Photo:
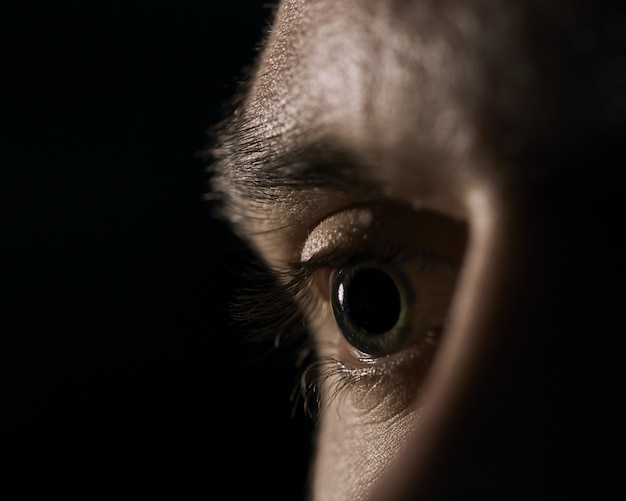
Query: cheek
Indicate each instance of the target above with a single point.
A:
(363, 421)
(373, 396)
(354, 449)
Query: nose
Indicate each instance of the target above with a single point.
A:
(490, 395)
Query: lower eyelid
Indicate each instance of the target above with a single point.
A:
(343, 372)
(380, 389)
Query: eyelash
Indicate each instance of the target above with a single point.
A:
(275, 307)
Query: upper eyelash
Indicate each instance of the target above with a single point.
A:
(274, 305)
(269, 309)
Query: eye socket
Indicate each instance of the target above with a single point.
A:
(371, 303)
(389, 291)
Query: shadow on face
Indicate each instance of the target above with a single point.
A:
(437, 185)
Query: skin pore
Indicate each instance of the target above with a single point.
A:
(428, 140)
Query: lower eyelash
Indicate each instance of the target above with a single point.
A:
(369, 385)
(341, 377)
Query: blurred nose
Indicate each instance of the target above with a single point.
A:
(489, 393)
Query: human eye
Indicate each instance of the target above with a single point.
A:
(374, 283)
(383, 305)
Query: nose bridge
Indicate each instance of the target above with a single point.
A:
(481, 427)
(499, 294)
(495, 330)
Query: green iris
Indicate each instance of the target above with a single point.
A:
(368, 302)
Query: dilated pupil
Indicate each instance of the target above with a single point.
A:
(372, 301)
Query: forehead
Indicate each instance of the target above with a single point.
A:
(407, 85)
(428, 100)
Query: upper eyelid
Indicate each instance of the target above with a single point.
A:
(373, 251)
(384, 229)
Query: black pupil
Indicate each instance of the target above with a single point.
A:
(372, 301)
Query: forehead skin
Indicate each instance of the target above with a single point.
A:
(452, 90)
(348, 73)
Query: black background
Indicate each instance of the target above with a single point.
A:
(122, 374)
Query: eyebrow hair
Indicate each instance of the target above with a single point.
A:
(250, 169)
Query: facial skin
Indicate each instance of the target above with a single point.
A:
(390, 133)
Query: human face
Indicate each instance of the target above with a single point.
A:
(417, 148)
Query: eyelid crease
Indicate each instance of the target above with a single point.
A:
(366, 224)
(382, 252)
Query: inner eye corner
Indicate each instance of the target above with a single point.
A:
(322, 280)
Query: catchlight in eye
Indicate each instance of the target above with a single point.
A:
(369, 302)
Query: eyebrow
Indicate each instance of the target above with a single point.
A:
(248, 167)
